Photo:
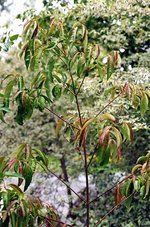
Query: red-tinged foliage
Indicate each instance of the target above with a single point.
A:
(118, 195)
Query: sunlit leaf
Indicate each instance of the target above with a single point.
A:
(144, 104)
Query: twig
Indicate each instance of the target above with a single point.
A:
(112, 209)
(76, 98)
(92, 157)
(87, 188)
(119, 182)
(61, 118)
(51, 219)
(108, 104)
(82, 199)
(80, 85)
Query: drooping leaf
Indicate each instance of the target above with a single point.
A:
(106, 156)
(2, 116)
(118, 136)
(129, 188)
(28, 173)
(135, 101)
(16, 189)
(107, 116)
(144, 104)
(41, 156)
(8, 91)
(56, 91)
(27, 57)
(118, 195)
(143, 191)
(128, 203)
(104, 135)
(13, 174)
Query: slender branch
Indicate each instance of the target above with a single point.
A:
(81, 85)
(51, 219)
(108, 104)
(119, 182)
(87, 188)
(92, 157)
(76, 98)
(61, 118)
(112, 209)
(82, 199)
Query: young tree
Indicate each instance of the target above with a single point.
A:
(59, 60)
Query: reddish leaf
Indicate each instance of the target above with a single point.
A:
(83, 138)
(133, 178)
(35, 31)
(118, 195)
(125, 88)
(104, 134)
(21, 170)
(118, 153)
(10, 163)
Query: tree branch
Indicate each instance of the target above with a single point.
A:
(59, 222)
(61, 118)
(112, 209)
(119, 182)
(108, 104)
(82, 199)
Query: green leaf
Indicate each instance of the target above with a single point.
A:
(34, 63)
(47, 87)
(2, 116)
(68, 133)
(118, 136)
(13, 174)
(100, 153)
(41, 156)
(135, 101)
(41, 103)
(56, 91)
(28, 173)
(13, 37)
(13, 219)
(16, 189)
(110, 67)
(106, 156)
(143, 191)
(127, 131)
(25, 108)
(9, 88)
(129, 188)
(31, 46)
(27, 57)
(137, 185)
(50, 68)
(20, 83)
(144, 104)
(80, 68)
(128, 203)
